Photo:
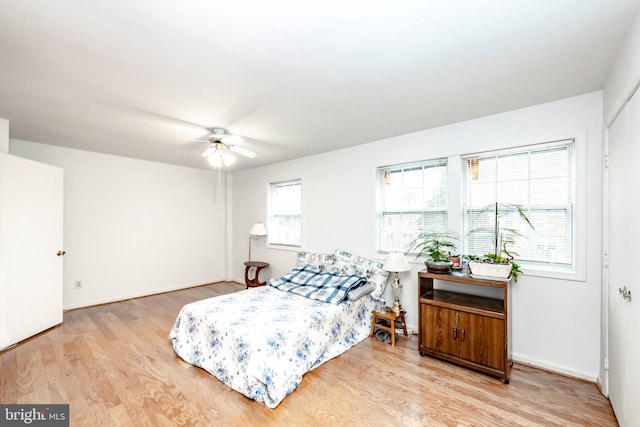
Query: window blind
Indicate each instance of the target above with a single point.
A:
(539, 178)
(413, 199)
(285, 219)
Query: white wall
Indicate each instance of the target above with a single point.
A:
(4, 136)
(624, 74)
(134, 227)
(556, 323)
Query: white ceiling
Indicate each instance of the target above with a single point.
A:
(140, 78)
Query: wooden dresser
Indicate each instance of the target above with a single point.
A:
(469, 330)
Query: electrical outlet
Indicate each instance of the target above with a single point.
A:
(78, 284)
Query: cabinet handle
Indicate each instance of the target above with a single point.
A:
(455, 334)
(463, 333)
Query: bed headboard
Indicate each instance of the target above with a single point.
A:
(345, 262)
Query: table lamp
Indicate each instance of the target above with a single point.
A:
(396, 262)
(256, 231)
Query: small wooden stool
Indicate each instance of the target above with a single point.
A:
(391, 317)
(255, 281)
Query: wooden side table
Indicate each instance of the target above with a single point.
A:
(255, 280)
(391, 317)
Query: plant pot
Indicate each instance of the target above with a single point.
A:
(439, 267)
(487, 269)
(455, 259)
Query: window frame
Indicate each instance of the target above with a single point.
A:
(456, 169)
(576, 270)
(380, 230)
(270, 188)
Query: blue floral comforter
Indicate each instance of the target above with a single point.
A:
(261, 341)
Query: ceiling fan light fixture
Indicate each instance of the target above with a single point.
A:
(227, 158)
(221, 146)
(209, 151)
(220, 158)
(215, 159)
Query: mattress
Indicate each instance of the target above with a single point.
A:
(261, 341)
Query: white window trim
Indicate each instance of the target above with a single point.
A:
(283, 246)
(377, 207)
(577, 272)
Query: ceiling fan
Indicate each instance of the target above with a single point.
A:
(221, 146)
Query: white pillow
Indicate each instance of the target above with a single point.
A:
(362, 266)
(321, 262)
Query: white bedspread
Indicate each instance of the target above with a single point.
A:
(261, 341)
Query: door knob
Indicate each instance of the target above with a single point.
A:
(61, 253)
(626, 293)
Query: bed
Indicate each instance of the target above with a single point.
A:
(261, 341)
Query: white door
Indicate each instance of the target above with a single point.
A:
(31, 207)
(624, 236)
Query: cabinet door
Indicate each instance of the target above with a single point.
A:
(482, 340)
(439, 329)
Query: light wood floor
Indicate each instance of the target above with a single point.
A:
(115, 366)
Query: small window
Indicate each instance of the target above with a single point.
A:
(538, 178)
(412, 199)
(285, 219)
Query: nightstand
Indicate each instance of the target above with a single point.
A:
(387, 322)
(254, 281)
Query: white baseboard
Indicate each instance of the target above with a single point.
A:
(92, 303)
(602, 387)
(518, 358)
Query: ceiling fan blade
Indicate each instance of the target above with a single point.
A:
(209, 151)
(232, 139)
(243, 151)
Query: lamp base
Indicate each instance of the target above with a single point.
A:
(397, 308)
(396, 287)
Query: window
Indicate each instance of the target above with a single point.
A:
(285, 219)
(540, 179)
(413, 198)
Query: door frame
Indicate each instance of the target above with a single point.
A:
(603, 378)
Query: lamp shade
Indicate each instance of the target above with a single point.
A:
(396, 262)
(258, 229)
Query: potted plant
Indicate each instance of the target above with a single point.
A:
(436, 246)
(499, 263)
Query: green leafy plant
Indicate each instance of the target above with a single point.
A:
(435, 245)
(503, 237)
